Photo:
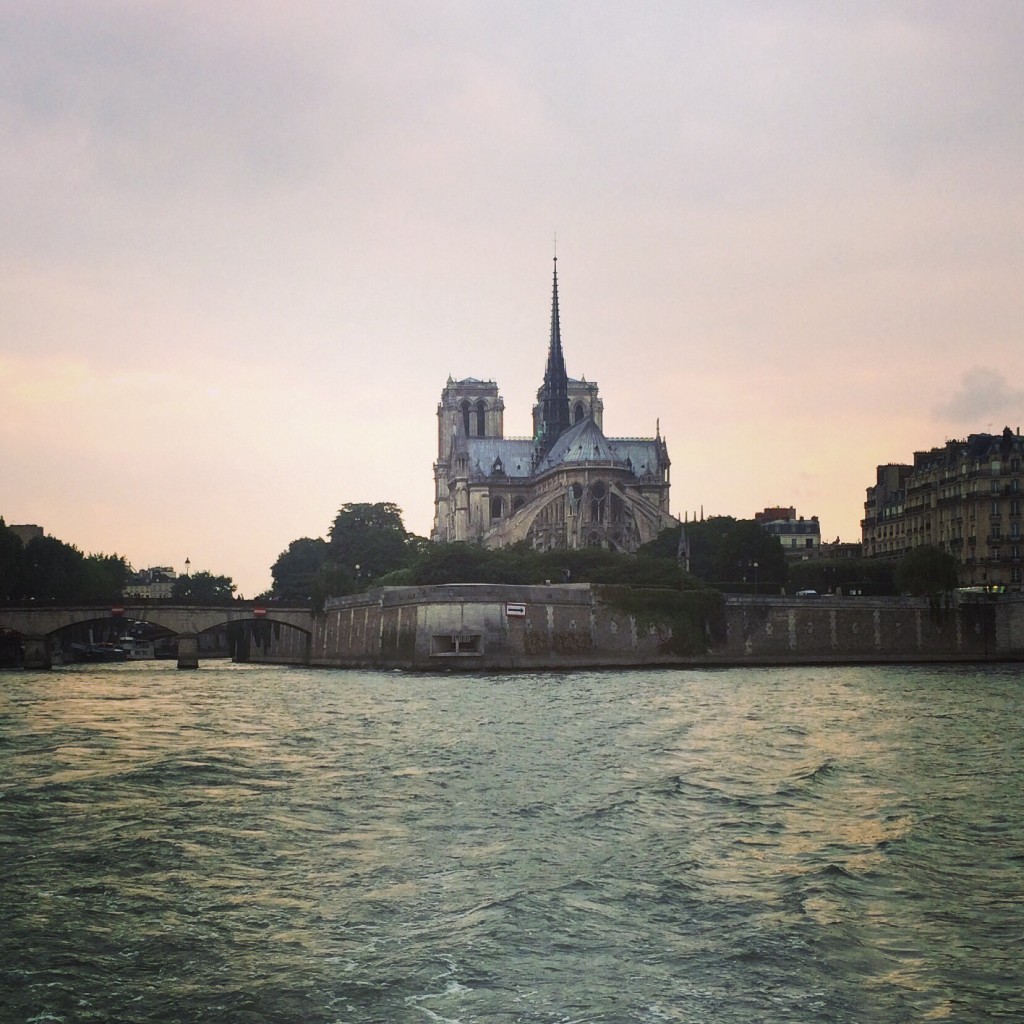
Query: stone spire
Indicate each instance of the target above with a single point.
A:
(553, 396)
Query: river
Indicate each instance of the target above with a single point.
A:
(255, 844)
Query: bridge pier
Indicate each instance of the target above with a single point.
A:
(36, 652)
(188, 650)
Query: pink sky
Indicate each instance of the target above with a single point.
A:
(244, 245)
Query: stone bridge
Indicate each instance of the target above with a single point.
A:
(37, 624)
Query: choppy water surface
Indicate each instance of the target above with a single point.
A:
(246, 844)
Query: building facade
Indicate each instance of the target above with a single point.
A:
(800, 538)
(964, 498)
(156, 582)
(568, 486)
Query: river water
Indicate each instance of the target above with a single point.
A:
(250, 844)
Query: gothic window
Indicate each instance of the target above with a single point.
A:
(618, 508)
(481, 418)
(496, 508)
(464, 407)
(575, 497)
(598, 494)
(578, 413)
(517, 503)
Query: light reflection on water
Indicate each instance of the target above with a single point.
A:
(266, 844)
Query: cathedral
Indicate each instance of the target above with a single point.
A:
(568, 486)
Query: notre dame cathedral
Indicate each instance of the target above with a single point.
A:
(568, 486)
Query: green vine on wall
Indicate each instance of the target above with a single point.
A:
(689, 621)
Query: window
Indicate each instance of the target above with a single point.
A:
(464, 408)
(578, 413)
(575, 498)
(497, 506)
(481, 418)
(597, 498)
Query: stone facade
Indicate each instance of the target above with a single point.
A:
(964, 498)
(568, 486)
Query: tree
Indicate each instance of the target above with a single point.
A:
(927, 571)
(48, 569)
(370, 540)
(749, 553)
(724, 550)
(296, 570)
(52, 570)
(11, 560)
(105, 577)
(202, 587)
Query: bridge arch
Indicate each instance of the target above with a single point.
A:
(38, 625)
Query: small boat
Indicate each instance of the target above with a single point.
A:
(137, 650)
(98, 652)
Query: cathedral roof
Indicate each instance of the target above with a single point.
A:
(582, 442)
(492, 456)
(585, 442)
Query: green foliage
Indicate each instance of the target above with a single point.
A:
(297, 570)
(689, 621)
(202, 587)
(370, 540)
(369, 545)
(470, 563)
(724, 550)
(105, 576)
(47, 569)
(927, 571)
(332, 581)
(11, 550)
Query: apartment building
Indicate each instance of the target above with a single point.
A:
(800, 538)
(964, 498)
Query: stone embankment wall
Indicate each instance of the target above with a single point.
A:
(474, 627)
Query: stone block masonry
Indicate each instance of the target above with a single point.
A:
(484, 627)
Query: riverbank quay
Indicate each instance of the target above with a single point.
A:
(487, 627)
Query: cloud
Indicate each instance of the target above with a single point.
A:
(983, 394)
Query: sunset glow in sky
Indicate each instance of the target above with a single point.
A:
(244, 245)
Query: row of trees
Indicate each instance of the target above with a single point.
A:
(368, 544)
(48, 569)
